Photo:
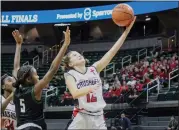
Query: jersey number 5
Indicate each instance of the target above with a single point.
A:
(22, 105)
(91, 98)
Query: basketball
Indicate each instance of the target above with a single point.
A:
(122, 15)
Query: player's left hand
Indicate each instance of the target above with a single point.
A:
(17, 36)
(131, 24)
(67, 36)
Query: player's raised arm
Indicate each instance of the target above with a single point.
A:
(19, 40)
(76, 93)
(105, 60)
(54, 66)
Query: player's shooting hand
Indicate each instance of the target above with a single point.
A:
(67, 36)
(17, 36)
(131, 24)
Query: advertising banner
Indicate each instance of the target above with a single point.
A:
(81, 14)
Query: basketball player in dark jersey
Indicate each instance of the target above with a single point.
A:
(27, 96)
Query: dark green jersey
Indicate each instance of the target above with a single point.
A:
(28, 109)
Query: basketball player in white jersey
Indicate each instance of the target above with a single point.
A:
(85, 85)
(8, 115)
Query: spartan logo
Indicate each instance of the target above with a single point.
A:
(87, 13)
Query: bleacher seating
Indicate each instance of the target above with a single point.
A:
(169, 96)
(153, 123)
(146, 123)
(56, 124)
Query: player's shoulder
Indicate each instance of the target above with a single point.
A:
(69, 73)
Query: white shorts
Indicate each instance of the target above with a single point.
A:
(84, 121)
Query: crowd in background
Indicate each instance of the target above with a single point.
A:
(135, 77)
(173, 124)
(129, 82)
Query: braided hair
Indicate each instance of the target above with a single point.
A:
(23, 73)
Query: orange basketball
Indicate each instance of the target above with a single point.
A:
(122, 15)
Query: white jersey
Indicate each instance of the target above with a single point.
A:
(92, 102)
(8, 117)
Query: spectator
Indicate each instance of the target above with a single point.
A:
(146, 78)
(155, 73)
(107, 94)
(173, 64)
(67, 99)
(105, 85)
(113, 91)
(123, 123)
(124, 87)
(139, 86)
(137, 73)
(133, 94)
(151, 75)
(118, 91)
(141, 72)
(154, 53)
(117, 83)
(173, 124)
(145, 70)
(122, 92)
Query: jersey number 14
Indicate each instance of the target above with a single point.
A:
(91, 98)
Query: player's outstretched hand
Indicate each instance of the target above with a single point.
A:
(17, 36)
(131, 24)
(67, 36)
